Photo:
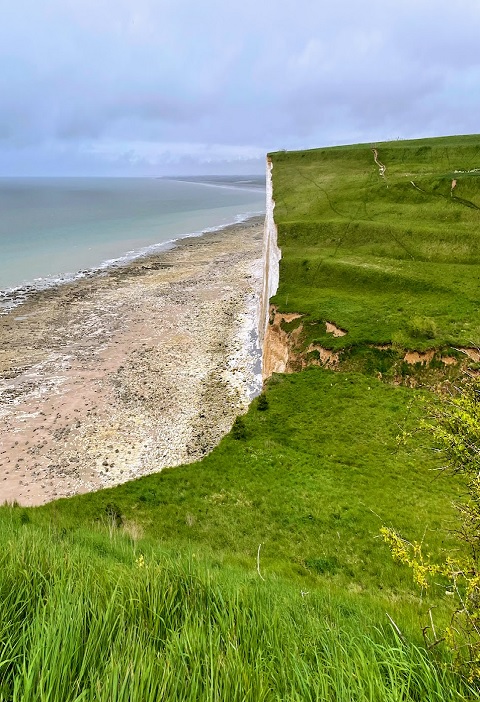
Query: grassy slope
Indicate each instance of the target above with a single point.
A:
(376, 256)
(317, 475)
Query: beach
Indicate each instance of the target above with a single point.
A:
(127, 371)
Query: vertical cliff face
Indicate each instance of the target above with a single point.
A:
(273, 356)
(271, 257)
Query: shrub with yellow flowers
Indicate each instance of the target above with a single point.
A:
(455, 425)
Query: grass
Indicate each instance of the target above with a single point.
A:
(377, 255)
(258, 573)
(312, 480)
(137, 624)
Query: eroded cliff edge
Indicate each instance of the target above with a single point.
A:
(274, 349)
(281, 352)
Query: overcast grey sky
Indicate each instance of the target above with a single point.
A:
(146, 87)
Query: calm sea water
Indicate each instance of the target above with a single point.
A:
(52, 229)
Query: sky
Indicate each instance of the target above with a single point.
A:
(178, 87)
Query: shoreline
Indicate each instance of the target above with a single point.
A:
(138, 367)
(13, 296)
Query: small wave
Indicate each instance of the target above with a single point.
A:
(16, 295)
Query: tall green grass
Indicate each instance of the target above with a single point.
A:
(138, 624)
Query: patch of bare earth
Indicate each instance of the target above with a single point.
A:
(423, 357)
(426, 357)
(278, 344)
(327, 357)
(333, 329)
(282, 353)
(472, 353)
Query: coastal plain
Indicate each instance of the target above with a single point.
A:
(124, 372)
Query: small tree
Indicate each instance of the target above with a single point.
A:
(456, 430)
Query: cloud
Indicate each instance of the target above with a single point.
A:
(126, 84)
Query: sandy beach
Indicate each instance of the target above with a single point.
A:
(128, 371)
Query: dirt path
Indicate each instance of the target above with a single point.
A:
(114, 377)
(381, 167)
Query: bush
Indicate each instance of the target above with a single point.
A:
(239, 430)
(262, 403)
(456, 430)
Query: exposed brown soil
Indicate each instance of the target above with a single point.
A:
(328, 358)
(333, 329)
(281, 351)
(472, 353)
(449, 360)
(279, 345)
(287, 317)
(423, 357)
(426, 357)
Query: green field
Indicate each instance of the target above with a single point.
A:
(391, 260)
(259, 573)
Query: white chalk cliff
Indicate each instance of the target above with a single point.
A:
(271, 261)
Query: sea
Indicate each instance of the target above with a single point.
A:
(53, 230)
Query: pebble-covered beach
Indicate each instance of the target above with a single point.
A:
(125, 372)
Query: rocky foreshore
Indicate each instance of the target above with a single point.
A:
(123, 373)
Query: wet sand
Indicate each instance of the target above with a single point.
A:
(125, 372)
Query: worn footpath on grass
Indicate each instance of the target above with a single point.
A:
(126, 372)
